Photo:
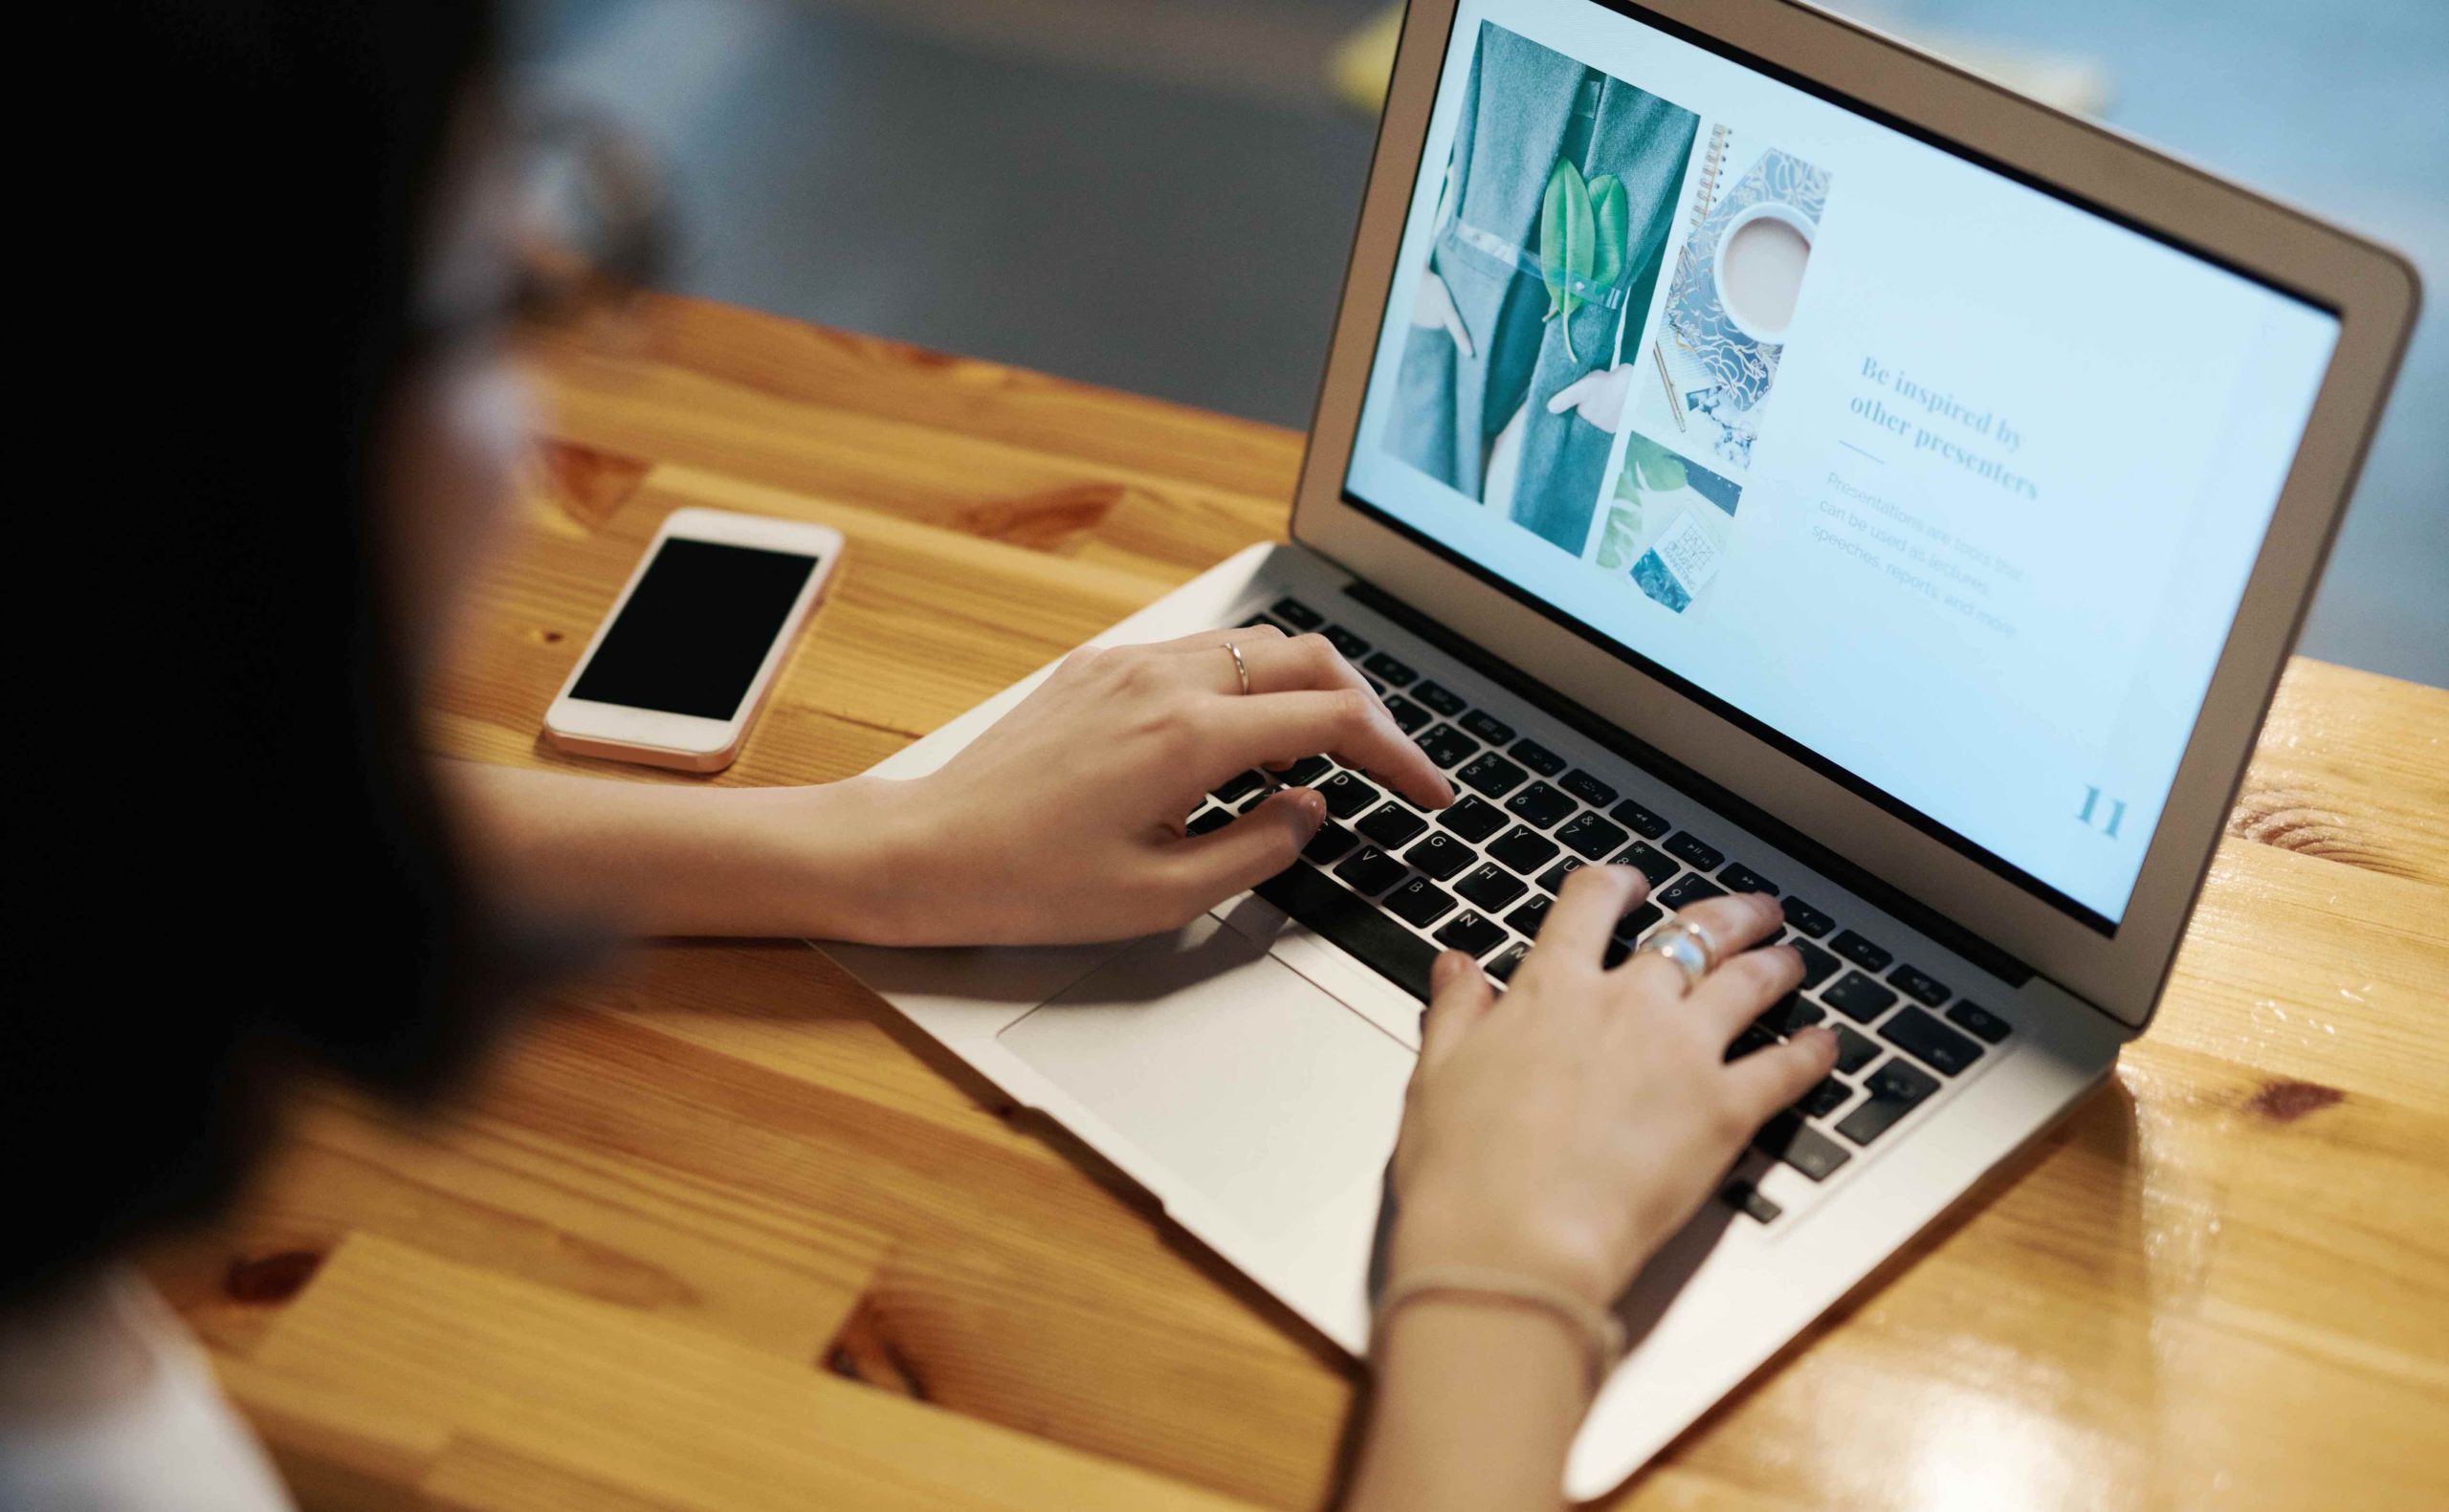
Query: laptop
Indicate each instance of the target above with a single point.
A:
(1753, 451)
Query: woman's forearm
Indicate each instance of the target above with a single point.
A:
(1475, 1407)
(651, 858)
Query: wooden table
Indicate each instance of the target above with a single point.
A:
(712, 1235)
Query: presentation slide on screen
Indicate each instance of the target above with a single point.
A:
(1949, 480)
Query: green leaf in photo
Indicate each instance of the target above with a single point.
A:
(1610, 227)
(1566, 252)
(1659, 469)
(1621, 545)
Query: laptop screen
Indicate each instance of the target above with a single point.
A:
(1943, 482)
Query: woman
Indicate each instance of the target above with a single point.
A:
(264, 567)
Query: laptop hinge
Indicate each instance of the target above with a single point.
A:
(1697, 787)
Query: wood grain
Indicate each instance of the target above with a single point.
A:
(714, 1233)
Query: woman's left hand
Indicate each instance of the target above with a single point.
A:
(1063, 823)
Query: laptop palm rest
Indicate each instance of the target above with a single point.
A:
(1262, 1092)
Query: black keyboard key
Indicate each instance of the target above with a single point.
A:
(1859, 997)
(1818, 965)
(1746, 1199)
(1390, 825)
(1508, 961)
(1741, 878)
(1370, 869)
(1538, 757)
(1632, 925)
(1753, 1039)
(1638, 820)
(1791, 1015)
(1803, 1146)
(1929, 1041)
(1408, 716)
(1695, 852)
(1447, 745)
(1826, 1098)
(1445, 702)
(1471, 934)
(1919, 985)
(1524, 849)
(1980, 1020)
(1439, 856)
(1587, 788)
(1653, 861)
(1385, 669)
(1491, 887)
(1346, 795)
(1306, 771)
(1385, 947)
(1330, 842)
(1615, 955)
(1488, 727)
(1294, 612)
(1237, 787)
(1539, 806)
(1352, 647)
(1473, 819)
(1553, 880)
(1530, 918)
(1896, 1089)
(1589, 836)
(1421, 902)
(1855, 1050)
(1492, 774)
(1859, 951)
(1806, 919)
(1689, 888)
(1208, 820)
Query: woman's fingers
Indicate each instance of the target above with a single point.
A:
(1587, 908)
(1769, 1079)
(1739, 989)
(1248, 850)
(1277, 664)
(1458, 995)
(1347, 723)
(1733, 924)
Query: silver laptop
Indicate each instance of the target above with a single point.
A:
(1759, 453)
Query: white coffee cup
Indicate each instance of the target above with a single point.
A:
(1759, 267)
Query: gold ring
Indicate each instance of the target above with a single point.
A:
(1240, 667)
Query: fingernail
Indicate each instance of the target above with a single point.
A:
(1313, 805)
(1822, 1038)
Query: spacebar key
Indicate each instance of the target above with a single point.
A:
(1354, 923)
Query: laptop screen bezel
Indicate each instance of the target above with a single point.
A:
(2118, 967)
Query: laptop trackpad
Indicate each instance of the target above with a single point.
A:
(1270, 1098)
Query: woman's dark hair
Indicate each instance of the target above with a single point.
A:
(226, 859)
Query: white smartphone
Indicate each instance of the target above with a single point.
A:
(696, 641)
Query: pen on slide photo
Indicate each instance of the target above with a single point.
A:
(1674, 406)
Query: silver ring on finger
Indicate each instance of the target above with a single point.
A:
(1702, 937)
(1240, 667)
(1685, 948)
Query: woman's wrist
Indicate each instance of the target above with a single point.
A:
(1430, 1235)
(857, 859)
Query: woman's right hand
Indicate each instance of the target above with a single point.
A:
(1564, 1131)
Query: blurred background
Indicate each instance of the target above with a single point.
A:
(1159, 194)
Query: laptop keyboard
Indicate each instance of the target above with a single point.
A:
(1393, 886)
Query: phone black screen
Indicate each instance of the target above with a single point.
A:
(692, 637)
